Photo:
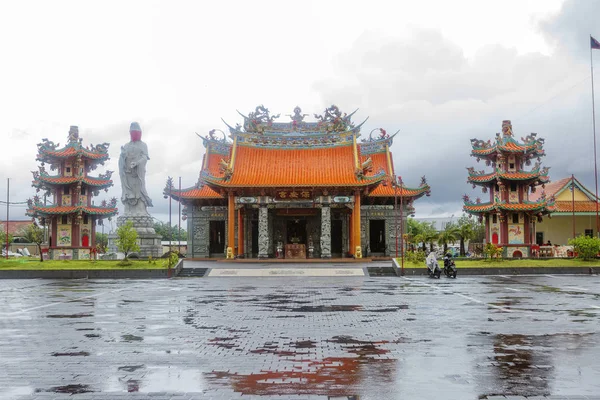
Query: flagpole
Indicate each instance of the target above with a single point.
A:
(594, 127)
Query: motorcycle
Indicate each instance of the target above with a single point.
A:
(449, 266)
(433, 268)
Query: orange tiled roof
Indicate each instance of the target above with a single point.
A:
(549, 188)
(14, 227)
(53, 210)
(203, 192)
(260, 167)
(521, 176)
(212, 163)
(62, 180)
(71, 151)
(530, 206)
(389, 191)
(580, 206)
(509, 145)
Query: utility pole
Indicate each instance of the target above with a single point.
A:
(179, 219)
(7, 211)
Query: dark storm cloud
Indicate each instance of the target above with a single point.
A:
(439, 100)
(571, 28)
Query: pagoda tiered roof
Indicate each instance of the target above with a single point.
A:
(535, 176)
(37, 209)
(530, 146)
(476, 207)
(50, 152)
(507, 156)
(43, 180)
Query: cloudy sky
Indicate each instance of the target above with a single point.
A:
(440, 72)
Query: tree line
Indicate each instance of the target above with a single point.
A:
(420, 234)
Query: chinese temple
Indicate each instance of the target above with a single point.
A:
(71, 215)
(511, 212)
(295, 189)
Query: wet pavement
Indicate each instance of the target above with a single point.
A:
(301, 338)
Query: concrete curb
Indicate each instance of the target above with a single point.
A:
(93, 274)
(503, 271)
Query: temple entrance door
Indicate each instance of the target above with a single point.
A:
(216, 245)
(377, 235)
(336, 237)
(85, 241)
(539, 238)
(495, 238)
(254, 227)
(296, 231)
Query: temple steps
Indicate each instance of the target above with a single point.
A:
(192, 272)
(381, 271)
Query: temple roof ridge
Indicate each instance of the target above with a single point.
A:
(48, 150)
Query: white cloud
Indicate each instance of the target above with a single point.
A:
(440, 72)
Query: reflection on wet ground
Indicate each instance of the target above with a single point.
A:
(366, 338)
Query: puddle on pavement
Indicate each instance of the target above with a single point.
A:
(131, 338)
(68, 389)
(79, 315)
(71, 354)
(147, 379)
(224, 342)
(332, 376)
(323, 308)
(520, 365)
(130, 368)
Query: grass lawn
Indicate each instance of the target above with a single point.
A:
(35, 264)
(514, 263)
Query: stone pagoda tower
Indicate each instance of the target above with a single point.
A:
(509, 214)
(71, 215)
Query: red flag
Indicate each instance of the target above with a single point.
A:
(594, 43)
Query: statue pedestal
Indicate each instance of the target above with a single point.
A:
(148, 239)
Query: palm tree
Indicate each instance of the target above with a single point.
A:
(430, 235)
(466, 231)
(414, 231)
(448, 235)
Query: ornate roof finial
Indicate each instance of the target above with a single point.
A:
(298, 116)
(507, 128)
(73, 134)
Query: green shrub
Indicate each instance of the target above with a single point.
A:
(172, 260)
(416, 257)
(492, 251)
(586, 247)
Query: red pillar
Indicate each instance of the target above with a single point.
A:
(240, 233)
(351, 233)
(356, 225)
(231, 225)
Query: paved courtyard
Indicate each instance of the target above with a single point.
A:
(301, 338)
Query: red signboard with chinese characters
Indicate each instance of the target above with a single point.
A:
(294, 194)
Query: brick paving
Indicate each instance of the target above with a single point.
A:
(301, 338)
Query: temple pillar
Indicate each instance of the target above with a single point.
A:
(230, 225)
(356, 223)
(351, 233)
(263, 232)
(325, 231)
(93, 233)
(240, 251)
